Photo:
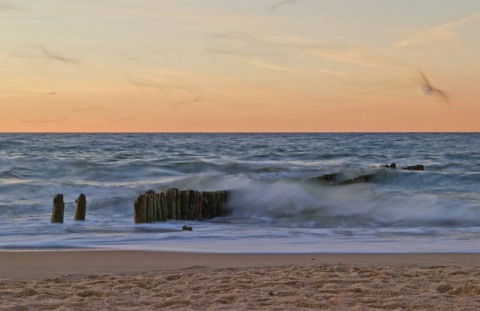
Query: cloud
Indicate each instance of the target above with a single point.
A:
(166, 85)
(41, 120)
(272, 66)
(172, 84)
(345, 53)
(443, 32)
(279, 3)
(261, 51)
(333, 73)
(7, 6)
(125, 119)
(188, 101)
(270, 53)
(56, 56)
(87, 108)
(39, 57)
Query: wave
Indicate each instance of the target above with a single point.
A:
(299, 204)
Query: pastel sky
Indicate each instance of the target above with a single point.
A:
(239, 65)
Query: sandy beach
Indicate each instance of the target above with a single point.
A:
(140, 280)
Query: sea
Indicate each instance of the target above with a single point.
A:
(276, 203)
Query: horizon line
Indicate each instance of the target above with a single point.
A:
(246, 132)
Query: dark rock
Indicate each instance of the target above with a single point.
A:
(186, 228)
(417, 167)
(392, 166)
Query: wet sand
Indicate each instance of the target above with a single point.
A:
(139, 280)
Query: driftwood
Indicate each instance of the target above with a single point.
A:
(180, 205)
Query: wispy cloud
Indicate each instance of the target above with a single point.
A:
(39, 57)
(246, 47)
(261, 51)
(353, 54)
(144, 83)
(171, 83)
(279, 3)
(125, 119)
(88, 108)
(333, 73)
(8, 6)
(56, 56)
(272, 66)
(42, 120)
(443, 32)
(188, 101)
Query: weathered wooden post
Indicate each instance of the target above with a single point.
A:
(221, 197)
(140, 209)
(171, 202)
(178, 205)
(209, 206)
(184, 196)
(81, 208)
(163, 206)
(156, 207)
(58, 209)
(197, 213)
(149, 204)
(191, 204)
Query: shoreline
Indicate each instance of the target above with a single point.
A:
(34, 264)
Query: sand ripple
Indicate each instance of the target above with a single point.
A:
(309, 287)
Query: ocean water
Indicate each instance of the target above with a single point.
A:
(274, 207)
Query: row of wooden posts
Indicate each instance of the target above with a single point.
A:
(151, 207)
(180, 205)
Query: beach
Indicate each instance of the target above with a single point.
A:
(143, 280)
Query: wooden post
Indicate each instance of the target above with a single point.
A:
(191, 205)
(197, 213)
(149, 204)
(81, 208)
(184, 196)
(219, 201)
(221, 197)
(163, 206)
(58, 209)
(209, 206)
(171, 202)
(177, 205)
(157, 216)
(140, 209)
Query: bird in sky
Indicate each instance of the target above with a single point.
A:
(429, 89)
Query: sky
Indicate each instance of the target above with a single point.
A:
(239, 66)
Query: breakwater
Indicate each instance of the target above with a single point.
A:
(180, 205)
